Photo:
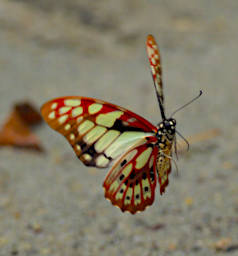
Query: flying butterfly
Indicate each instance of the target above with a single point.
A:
(103, 134)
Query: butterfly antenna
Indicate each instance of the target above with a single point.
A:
(200, 93)
(183, 139)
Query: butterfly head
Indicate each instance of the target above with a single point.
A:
(167, 126)
(170, 125)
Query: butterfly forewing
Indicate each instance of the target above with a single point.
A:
(154, 59)
(98, 131)
(131, 182)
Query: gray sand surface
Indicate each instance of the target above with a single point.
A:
(51, 204)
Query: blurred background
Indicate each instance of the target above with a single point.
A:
(50, 203)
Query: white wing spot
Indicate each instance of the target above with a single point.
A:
(77, 111)
(150, 51)
(94, 134)
(54, 105)
(136, 193)
(119, 195)
(142, 159)
(72, 102)
(78, 147)
(151, 161)
(128, 196)
(72, 136)
(153, 61)
(146, 188)
(156, 56)
(67, 127)
(63, 110)
(85, 126)
(114, 186)
(126, 171)
(106, 140)
(87, 157)
(94, 108)
(102, 161)
(79, 119)
(51, 115)
(108, 119)
(131, 155)
(62, 119)
(131, 120)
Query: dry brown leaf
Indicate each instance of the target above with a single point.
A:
(16, 130)
(28, 113)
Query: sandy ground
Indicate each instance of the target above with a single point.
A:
(51, 204)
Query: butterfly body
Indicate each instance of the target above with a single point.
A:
(106, 135)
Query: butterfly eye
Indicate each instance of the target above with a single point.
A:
(167, 125)
(172, 122)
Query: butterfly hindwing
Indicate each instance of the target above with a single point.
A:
(98, 131)
(131, 182)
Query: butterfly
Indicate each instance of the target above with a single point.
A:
(104, 135)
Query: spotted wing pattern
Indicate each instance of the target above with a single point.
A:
(154, 58)
(98, 131)
(131, 182)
